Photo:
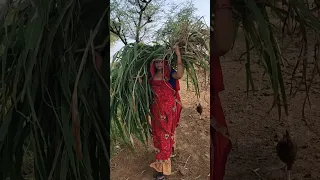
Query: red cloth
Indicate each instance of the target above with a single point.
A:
(220, 142)
(165, 111)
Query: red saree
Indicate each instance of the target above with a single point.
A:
(165, 110)
(219, 133)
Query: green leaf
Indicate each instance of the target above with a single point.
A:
(2, 48)
(33, 32)
(5, 125)
(10, 17)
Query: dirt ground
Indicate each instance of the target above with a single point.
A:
(254, 132)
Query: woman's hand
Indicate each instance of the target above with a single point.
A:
(177, 49)
(180, 68)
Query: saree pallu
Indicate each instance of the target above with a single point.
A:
(219, 134)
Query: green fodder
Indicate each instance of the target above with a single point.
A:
(51, 94)
(130, 100)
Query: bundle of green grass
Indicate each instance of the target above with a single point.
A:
(130, 99)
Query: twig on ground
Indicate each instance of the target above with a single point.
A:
(143, 171)
(255, 171)
(185, 164)
(115, 165)
(197, 177)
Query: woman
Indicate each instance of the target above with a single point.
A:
(165, 110)
(221, 44)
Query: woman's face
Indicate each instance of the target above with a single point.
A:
(158, 65)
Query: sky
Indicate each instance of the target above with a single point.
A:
(203, 9)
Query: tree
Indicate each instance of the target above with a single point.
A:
(178, 17)
(134, 19)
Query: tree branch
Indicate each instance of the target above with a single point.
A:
(144, 33)
(139, 27)
(118, 31)
(148, 21)
(132, 19)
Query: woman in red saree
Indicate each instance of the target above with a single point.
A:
(221, 43)
(165, 110)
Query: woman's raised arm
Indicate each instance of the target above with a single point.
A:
(180, 69)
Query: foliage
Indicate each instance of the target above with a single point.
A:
(135, 19)
(253, 17)
(53, 98)
(178, 16)
(113, 39)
